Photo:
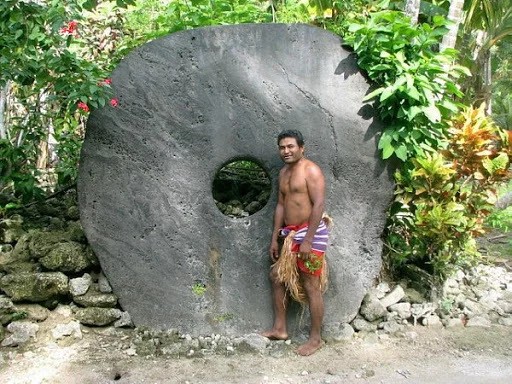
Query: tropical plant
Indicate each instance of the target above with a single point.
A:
(502, 85)
(441, 203)
(487, 24)
(152, 19)
(47, 89)
(416, 85)
(500, 217)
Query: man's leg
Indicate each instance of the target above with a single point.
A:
(279, 300)
(316, 309)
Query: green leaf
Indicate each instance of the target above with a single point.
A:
(388, 92)
(432, 113)
(385, 144)
(387, 152)
(385, 139)
(413, 93)
(371, 95)
(401, 152)
(413, 111)
(500, 162)
(488, 165)
(401, 80)
(355, 27)
(89, 5)
(380, 67)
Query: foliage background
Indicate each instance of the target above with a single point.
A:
(56, 56)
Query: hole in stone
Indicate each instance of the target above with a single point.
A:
(117, 376)
(241, 188)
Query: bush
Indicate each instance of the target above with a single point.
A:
(442, 201)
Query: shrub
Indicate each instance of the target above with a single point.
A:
(442, 201)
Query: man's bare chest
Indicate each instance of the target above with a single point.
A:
(294, 183)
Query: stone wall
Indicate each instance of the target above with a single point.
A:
(46, 262)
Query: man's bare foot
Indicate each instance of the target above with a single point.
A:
(310, 347)
(275, 335)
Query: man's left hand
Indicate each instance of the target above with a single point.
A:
(305, 250)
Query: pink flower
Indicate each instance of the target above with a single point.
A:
(114, 102)
(84, 107)
(108, 81)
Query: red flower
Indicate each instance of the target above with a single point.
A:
(84, 107)
(114, 102)
(70, 29)
(108, 81)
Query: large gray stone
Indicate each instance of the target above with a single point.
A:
(188, 104)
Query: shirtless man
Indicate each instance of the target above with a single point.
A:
(300, 202)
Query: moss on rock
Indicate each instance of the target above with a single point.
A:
(41, 243)
(7, 309)
(67, 257)
(21, 251)
(18, 259)
(97, 316)
(76, 233)
(94, 298)
(35, 287)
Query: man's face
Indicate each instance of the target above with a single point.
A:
(290, 151)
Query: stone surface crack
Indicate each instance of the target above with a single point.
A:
(313, 100)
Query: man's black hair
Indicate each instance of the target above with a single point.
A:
(293, 133)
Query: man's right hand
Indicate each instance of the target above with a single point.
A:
(274, 252)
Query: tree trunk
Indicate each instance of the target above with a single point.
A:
(455, 16)
(487, 77)
(3, 107)
(43, 155)
(481, 71)
(412, 9)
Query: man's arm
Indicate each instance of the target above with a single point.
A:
(316, 189)
(278, 224)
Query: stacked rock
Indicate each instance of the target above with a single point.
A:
(45, 262)
(480, 296)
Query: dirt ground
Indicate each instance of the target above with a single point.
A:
(420, 355)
